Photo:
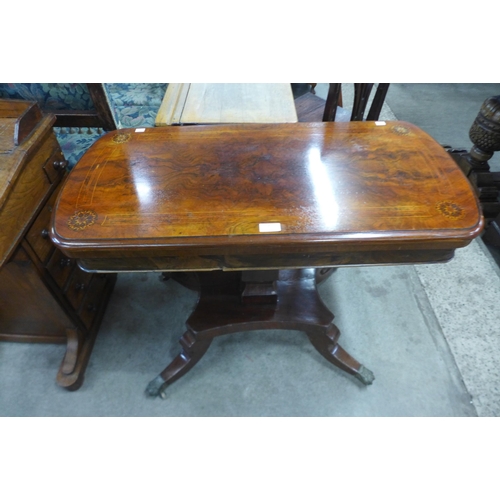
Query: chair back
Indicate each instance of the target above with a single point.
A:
(362, 93)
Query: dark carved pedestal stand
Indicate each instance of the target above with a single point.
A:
(231, 302)
(485, 136)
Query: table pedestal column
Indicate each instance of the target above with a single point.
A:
(290, 302)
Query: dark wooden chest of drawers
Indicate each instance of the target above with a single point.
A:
(44, 296)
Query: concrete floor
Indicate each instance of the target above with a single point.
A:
(429, 333)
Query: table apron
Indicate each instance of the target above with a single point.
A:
(244, 262)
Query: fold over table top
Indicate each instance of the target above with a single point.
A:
(266, 195)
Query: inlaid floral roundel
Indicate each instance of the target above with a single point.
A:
(451, 210)
(82, 219)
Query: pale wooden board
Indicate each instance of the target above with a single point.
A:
(228, 103)
(172, 105)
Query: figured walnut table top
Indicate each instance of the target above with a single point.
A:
(264, 196)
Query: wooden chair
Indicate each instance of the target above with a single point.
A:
(74, 105)
(311, 108)
(100, 117)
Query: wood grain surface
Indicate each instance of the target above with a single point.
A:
(265, 196)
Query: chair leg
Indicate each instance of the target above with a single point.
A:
(313, 87)
(332, 101)
(492, 234)
(378, 101)
(361, 95)
(98, 96)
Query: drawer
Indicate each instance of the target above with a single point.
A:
(55, 166)
(93, 299)
(78, 286)
(60, 267)
(38, 235)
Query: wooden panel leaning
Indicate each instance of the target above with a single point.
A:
(203, 103)
(34, 275)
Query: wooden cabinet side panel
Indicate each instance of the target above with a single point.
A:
(27, 308)
(30, 190)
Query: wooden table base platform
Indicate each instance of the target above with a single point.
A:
(231, 302)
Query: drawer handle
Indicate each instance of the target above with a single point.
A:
(80, 287)
(45, 233)
(60, 164)
(64, 262)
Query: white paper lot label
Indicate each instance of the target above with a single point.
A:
(269, 227)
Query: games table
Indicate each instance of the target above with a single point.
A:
(253, 210)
